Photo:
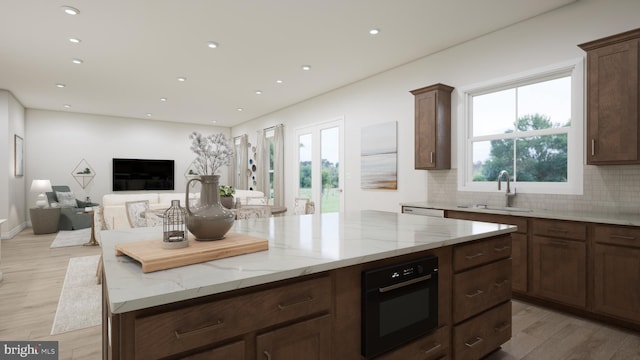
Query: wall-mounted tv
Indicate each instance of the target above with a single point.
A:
(142, 174)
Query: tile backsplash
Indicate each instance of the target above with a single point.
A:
(608, 189)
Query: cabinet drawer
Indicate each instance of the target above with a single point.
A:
(176, 331)
(617, 235)
(481, 252)
(560, 229)
(479, 289)
(431, 347)
(481, 335)
(520, 222)
(233, 351)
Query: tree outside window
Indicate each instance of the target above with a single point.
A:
(524, 130)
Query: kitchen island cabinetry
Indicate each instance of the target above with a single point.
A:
(172, 330)
(559, 261)
(433, 127)
(519, 243)
(481, 297)
(613, 85)
(616, 260)
(301, 299)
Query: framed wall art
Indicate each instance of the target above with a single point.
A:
(18, 156)
(378, 160)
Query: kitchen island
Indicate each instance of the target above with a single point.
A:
(305, 287)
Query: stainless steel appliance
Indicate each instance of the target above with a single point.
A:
(399, 304)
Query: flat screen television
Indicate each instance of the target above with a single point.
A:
(142, 174)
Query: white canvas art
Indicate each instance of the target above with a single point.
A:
(379, 157)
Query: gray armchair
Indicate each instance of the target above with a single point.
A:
(71, 218)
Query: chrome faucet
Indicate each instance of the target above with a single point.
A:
(508, 194)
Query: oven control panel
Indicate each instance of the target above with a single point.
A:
(400, 273)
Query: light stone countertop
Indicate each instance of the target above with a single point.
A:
(298, 245)
(590, 215)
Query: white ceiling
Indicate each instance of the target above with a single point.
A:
(134, 51)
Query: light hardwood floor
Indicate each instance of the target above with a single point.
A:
(32, 280)
(33, 277)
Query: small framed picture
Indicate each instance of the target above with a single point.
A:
(18, 156)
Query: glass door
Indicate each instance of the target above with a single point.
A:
(320, 165)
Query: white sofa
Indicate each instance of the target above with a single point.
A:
(113, 214)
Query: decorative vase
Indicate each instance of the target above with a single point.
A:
(210, 220)
(227, 202)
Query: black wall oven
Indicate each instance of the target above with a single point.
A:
(399, 304)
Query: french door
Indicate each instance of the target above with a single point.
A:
(321, 165)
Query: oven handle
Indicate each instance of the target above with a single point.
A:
(403, 284)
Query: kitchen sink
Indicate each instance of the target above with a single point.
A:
(496, 208)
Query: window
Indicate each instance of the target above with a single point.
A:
(531, 127)
(238, 170)
(269, 137)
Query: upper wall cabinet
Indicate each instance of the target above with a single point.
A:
(613, 124)
(433, 127)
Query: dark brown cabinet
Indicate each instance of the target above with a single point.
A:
(519, 243)
(591, 268)
(559, 261)
(613, 123)
(310, 339)
(616, 272)
(481, 297)
(433, 127)
(233, 351)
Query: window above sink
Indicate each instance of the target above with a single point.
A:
(528, 124)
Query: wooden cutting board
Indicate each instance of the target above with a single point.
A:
(153, 257)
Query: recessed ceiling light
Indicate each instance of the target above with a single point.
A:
(77, 61)
(58, 85)
(279, 81)
(214, 121)
(163, 99)
(374, 31)
(66, 106)
(212, 44)
(258, 92)
(75, 40)
(70, 10)
(149, 114)
(306, 67)
(182, 79)
(239, 109)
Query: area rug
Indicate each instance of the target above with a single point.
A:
(71, 238)
(80, 299)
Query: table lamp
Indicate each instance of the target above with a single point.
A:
(41, 187)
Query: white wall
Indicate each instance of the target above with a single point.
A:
(56, 142)
(536, 43)
(12, 188)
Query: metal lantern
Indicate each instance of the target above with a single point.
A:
(174, 227)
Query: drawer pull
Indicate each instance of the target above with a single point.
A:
(501, 249)
(560, 243)
(433, 347)
(295, 302)
(475, 293)
(504, 326)
(623, 237)
(500, 283)
(267, 354)
(180, 335)
(469, 257)
(474, 342)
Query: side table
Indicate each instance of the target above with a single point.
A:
(44, 220)
(92, 241)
